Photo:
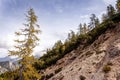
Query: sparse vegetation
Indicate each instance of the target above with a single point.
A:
(89, 53)
(106, 68)
(86, 35)
(74, 40)
(58, 70)
(110, 63)
(82, 77)
(79, 69)
(49, 76)
(100, 51)
(12, 75)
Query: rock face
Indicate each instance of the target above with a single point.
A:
(2, 70)
(7, 66)
(99, 61)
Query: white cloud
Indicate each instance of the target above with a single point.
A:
(50, 34)
(107, 2)
(3, 44)
(7, 41)
(84, 18)
(3, 52)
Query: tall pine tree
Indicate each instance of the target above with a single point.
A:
(25, 46)
(94, 22)
(110, 11)
(85, 28)
(80, 29)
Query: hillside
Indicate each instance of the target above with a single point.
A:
(98, 61)
(91, 53)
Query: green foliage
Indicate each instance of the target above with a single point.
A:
(85, 36)
(58, 70)
(74, 40)
(46, 77)
(12, 75)
(83, 29)
(110, 63)
(104, 17)
(94, 22)
(49, 76)
(106, 68)
(116, 18)
(110, 11)
(24, 48)
(118, 6)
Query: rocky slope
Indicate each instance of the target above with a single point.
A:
(99, 61)
(7, 66)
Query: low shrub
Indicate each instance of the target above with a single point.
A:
(49, 76)
(106, 68)
(58, 70)
(82, 77)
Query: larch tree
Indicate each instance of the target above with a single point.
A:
(72, 36)
(118, 6)
(24, 47)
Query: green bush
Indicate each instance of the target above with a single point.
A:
(12, 75)
(49, 76)
(58, 70)
(106, 68)
(110, 63)
(116, 18)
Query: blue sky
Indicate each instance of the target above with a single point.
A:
(55, 17)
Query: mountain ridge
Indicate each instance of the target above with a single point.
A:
(8, 58)
(101, 53)
(7, 66)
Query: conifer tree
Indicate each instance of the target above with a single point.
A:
(104, 17)
(85, 30)
(25, 47)
(58, 46)
(97, 22)
(80, 29)
(110, 11)
(94, 22)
